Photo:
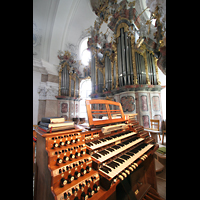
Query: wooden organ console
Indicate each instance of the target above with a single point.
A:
(100, 161)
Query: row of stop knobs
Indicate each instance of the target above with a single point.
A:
(66, 143)
(77, 174)
(84, 196)
(70, 157)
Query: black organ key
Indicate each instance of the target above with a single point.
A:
(116, 147)
(119, 160)
(89, 144)
(104, 152)
(126, 142)
(109, 170)
(105, 169)
(110, 149)
(130, 153)
(125, 157)
(96, 142)
(96, 155)
(103, 140)
(113, 164)
(116, 164)
(134, 150)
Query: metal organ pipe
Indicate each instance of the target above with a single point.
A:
(65, 81)
(130, 61)
(93, 74)
(137, 69)
(143, 70)
(123, 56)
(62, 80)
(152, 75)
(127, 60)
(108, 72)
(100, 81)
(72, 87)
(114, 72)
(77, 83)
(119, 61)
(150, 70)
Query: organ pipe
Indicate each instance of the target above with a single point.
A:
(108, 73)
(130, 66)
(123, 56)
(65, 81)
(100, 81)
(143, 73)
(119, 62)
(93, 74)
(127, 60)
(130, 62)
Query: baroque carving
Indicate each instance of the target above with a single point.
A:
(48, 90)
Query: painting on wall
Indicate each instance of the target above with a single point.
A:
(128, 103)
(144, 103)
(64, 110)
(157, 117)
(145, 119)
(76, 109)
(156, 103)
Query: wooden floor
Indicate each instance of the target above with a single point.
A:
(161, 176)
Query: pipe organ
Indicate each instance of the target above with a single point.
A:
(69, 82)
(65, 81)
(127, 74)
(143, 64)
(124, 73)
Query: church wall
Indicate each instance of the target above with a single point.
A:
(51, 108)
(36, 82)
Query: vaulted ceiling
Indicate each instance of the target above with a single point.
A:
(61, 25)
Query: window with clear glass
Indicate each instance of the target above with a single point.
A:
(85, 54)
(85, 91)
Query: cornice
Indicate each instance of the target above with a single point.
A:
(38, 67)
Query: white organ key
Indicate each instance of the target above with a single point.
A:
(116, 171)
(111, 154)
(95, 146)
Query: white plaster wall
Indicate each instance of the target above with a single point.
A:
(36, 83)
(162, 79)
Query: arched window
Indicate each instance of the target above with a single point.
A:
(85, 55)
(85, 91)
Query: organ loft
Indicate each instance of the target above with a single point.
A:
(111, 153)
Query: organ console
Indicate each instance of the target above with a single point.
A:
(91, 162)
